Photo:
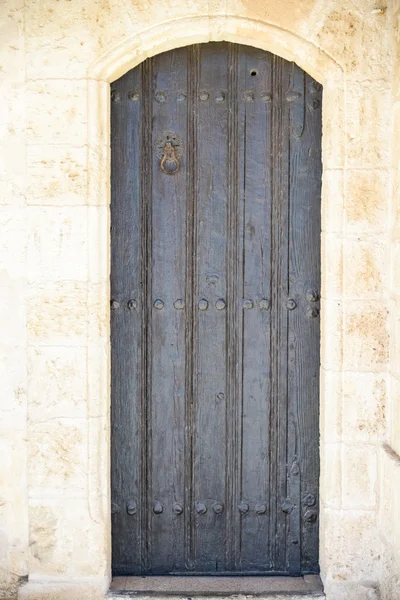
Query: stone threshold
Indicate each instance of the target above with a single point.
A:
(288, 588)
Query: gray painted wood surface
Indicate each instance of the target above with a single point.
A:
(215, 278)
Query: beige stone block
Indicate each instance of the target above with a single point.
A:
(13, 295)
(346, 590)
(12, 104)
(332, 201)
(58, 313)
(12, 166)
(394, 328)
(56, 175)
(99, 314)
(57, 112)
(364, 406)
(331, 475)
(333, 128)
(351, 545)
(331, 406)
(84, 588)
(360, 476)
(368, 124)
(57, 247)
(57, 380)
(65, 541)
(365, 268)
(394, 280)
(99, 242)
(12, 48)
(367, 200)
(66, 39)
(99, 468)
(13, 513)
(390, 577)
(356, 37)
(98, 385)
(393, 415)
(331, 334)
(365, 339)
(13, 377)
(13, 226)
(57, 458)
(332, 266)
(389, 470)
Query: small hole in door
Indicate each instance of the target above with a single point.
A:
(253, 73)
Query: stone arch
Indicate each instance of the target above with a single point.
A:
(163, 37)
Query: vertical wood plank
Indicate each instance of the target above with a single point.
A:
(168, 274)
(304, 331)
(255, 293)
(209, 451)
(126, 332)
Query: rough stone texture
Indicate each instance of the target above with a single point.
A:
(56, 62)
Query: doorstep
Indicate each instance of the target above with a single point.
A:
(287, 588)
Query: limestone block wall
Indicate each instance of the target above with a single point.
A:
(389, 525)
(57, 58)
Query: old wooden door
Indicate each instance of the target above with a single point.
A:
(215, 277)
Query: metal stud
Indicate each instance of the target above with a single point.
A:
(160, 97)
(132, 304)
(114, 304)
(158, 508)
(158, 304)
(264, 304)
(287, 507)
(133, 95)
(218, 508)
(312, 296)
(316, 103)
(203, 304)
(114, 508)
(243, 508)
(220, 397)
(131, 508)
(292, 96)
(181, 96)
(260, 509)
(204, 96)
(177, 508)
(312, 312)
(201, 508)
(247, 304)
(291, 304)
(115, 96)
(220, 97)
(309, 500)
(310, 516)
(248, 96)
(265, 97)
(220, 304)
(179, 304)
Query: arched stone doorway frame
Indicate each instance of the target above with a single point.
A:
(112, 65)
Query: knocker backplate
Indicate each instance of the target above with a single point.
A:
(173, 138)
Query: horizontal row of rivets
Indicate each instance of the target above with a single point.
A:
(203, 304)
(200, 507)
(220, 304)
(248, 95)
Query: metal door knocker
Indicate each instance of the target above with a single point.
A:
(169, 151)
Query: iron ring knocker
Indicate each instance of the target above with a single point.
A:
(169, 160)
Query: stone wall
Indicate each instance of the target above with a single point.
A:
(57, 58)
(389, 473)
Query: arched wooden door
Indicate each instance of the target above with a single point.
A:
(215, 278)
